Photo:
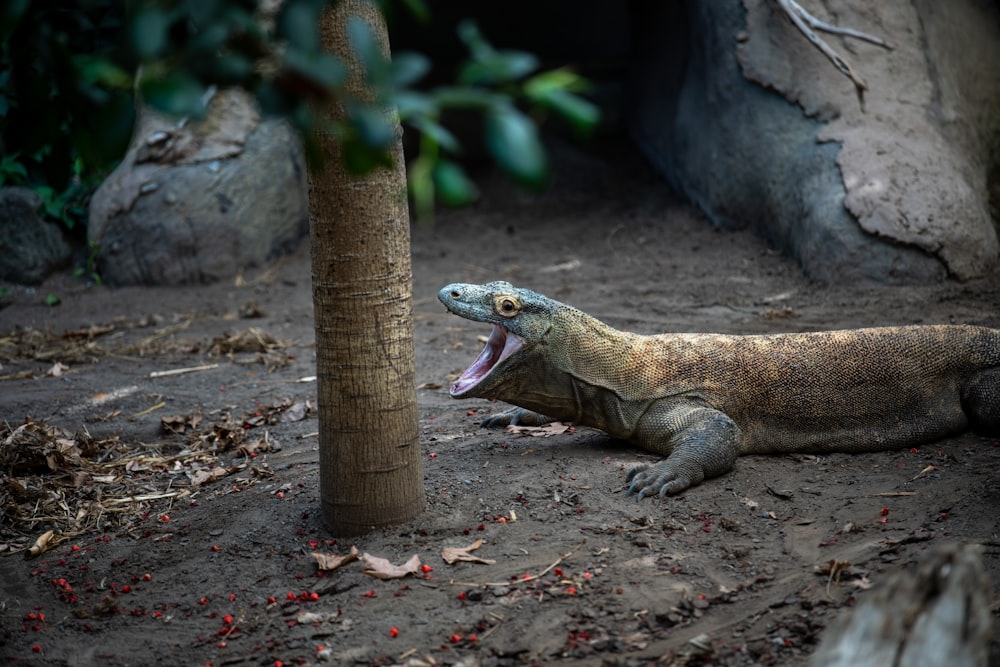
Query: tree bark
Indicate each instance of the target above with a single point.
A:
(371, 473)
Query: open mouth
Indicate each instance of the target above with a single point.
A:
(500, 345)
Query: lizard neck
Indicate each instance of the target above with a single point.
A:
(568, 374)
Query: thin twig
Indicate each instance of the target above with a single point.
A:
(531, 577)
(837, 30)
(182, 371)
(805, 22)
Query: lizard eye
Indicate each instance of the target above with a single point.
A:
(507, 306)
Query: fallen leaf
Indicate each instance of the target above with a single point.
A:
(42, 543)
(297, 411)
(200, 477)
(57, 370)
(849, 527)
(180, 423)
(547, 431)
(380, 568)
(333, 561)
(779, 493)
(833, 568)
(455, 554)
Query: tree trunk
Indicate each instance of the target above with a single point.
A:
(371, 473)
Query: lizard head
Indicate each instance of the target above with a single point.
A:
(521, 320)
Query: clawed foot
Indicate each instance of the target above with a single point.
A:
(513, 417)
(660, 479)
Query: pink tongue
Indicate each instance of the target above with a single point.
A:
(498, 347)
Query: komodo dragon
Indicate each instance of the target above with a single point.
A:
(702, 400)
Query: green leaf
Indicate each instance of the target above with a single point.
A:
(176, 93)
(498, 67)
(210, 39)
(412, 104)
(408, 68)
(11, 170)
(372, 126)
(11, 13)
(463, 97)
(420, 180)
(556, 79)
(437, 133)
(360, 158)
(97, 70)
(453, 186)
(298, 24)
(232, 69)
(513, 141)
(366, 47)
(202, 11)
(322, 69)
(148, 31)
(580, 113)
(52, 300)
(418, 10)
(469, 33)
(489, 66)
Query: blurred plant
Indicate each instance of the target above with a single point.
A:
(70, 73)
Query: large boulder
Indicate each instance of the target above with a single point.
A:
(30, 248)
(195, 202)
(756, 126)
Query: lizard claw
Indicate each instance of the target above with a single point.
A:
(513, 417)
(661, 479)
(509, 417)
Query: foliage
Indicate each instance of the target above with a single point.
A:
(70, 71)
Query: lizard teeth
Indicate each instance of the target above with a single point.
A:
(499, 346)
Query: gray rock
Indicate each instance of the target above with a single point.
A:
(199, 202)
(937, 613)
(30, 248)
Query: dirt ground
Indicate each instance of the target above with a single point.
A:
(195, 547)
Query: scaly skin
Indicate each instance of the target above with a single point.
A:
(702, 400)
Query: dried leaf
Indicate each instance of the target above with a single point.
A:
(333, 561)
(779, 493)
(455, 554)
(850, 527)
(57, 370)
(250, 340)
(547, 431)
(380, 568)
(200, 477)
(42, 543)
(297, 411)
(833, 568)
(180, 423)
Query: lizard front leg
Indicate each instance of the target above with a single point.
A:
(699, 442)
(514, 416)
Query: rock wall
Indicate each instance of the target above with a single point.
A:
(748, 119)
